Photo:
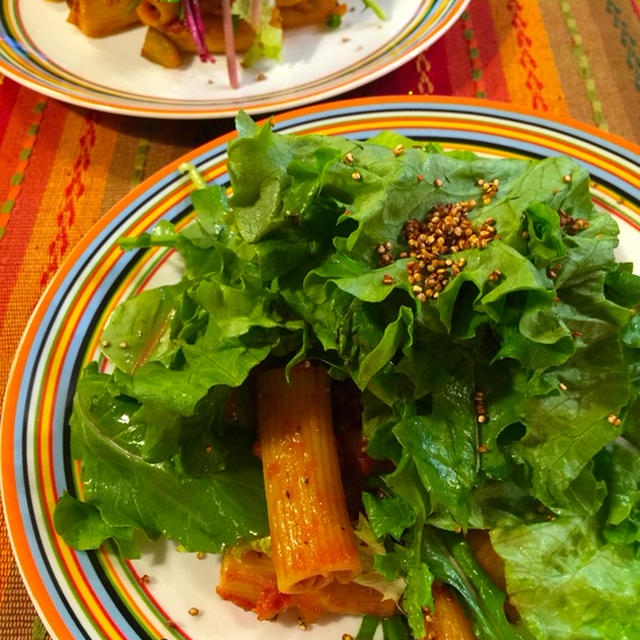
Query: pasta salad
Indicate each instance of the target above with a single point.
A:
(394, 380)
(252, 28)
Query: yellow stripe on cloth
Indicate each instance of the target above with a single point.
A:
(528, 62)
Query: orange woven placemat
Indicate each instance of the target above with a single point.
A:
(62, 167)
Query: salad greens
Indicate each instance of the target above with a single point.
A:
(509, 402)
(268, 39)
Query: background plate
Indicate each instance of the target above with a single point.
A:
(97, 595)
(39, 49)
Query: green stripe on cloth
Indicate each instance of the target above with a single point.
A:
(583, 65)
(39, 631)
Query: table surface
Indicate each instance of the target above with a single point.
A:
(62, 167)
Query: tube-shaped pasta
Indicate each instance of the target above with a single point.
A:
(160, 49)
(165, 17)
(305, 12)
(311, 537)
(98, 18)
(158, 14)
(448, 620)
(343, 599)
(487, 558)
(493, 565)
(249, 580)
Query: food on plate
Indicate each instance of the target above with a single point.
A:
(425, 360)
(302, 481)
(248, 579)
(160, 49)
(174, 27)
(97, 18)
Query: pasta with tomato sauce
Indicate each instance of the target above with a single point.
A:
(176, 28)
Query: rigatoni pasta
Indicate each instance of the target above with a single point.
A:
(248, 579)
(311, 537)
(448, 620)
(296, 13)
(167, 18)
(491, 563)
(159, 49)
(98, 18)
(485, 554)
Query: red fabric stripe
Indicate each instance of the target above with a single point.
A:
(73, 190)
(18, 122)
(438, 63)
(458, 63)
(22, 222)
(489, 46)
(8, 95)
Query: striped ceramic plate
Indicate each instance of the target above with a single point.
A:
(40, 49)
(98, 595)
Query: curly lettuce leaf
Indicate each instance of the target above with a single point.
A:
(566, 583)
(125, 492)
(267, 41)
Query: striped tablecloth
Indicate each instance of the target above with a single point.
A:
(62, 167)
